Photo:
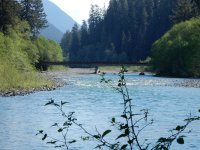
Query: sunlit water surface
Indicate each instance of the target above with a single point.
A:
(95, 104)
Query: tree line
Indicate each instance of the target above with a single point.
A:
(125, 30)
(31, 11)
(25, 19)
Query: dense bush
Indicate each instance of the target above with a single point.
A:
(16, 71)
(19, 54)
(177, 53)
(48, 50)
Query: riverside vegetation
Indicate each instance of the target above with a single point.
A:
(132, 30)
(177, 53)
(129, 126)
(21, 47)
(19, 56)
(136, 26)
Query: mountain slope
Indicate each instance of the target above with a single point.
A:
(52, 33)
(57, 17)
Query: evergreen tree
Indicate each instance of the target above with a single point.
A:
(84, 34)
(197, 3)
(127, 28)
(185, 9)
(75, 43)
(66, 44)
(33, 12)
(9, 10)
(94, 21)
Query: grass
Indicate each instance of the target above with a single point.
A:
(13, 79)
(58, 68)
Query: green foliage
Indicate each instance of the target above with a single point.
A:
(197, 3)
(48, 50)
(13, 79)
(126, 30)
(123, 32)
(185, 10)
(33, 12)
(19, 55)
(9, 10)
(16, 69)
(12, 52)
(177, 53)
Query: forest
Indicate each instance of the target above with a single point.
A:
(21, 47)
(126, 30)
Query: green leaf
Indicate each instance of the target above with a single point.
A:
(60, 130)
(130, 141)
(178, 128)
(106, 132)
(113, 120)
(86, 138)
(165, 148)
(123, 126)
(127, 131)
(67, 123)
(120, 136)
(124, 146)
(55, 124)
(59, 146)
(73, 141)
(44, 137)
(55, 104)
(63, 103)
(52, 142)
(180, 140)
(96, 136)
(162, 140)
(49, 103)
(41, 131)
(124, 116)
(119, 84)
(98, 146)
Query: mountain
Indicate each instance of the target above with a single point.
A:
(53, 33)
(57, 17)
(59, 22)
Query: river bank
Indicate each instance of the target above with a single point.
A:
(52, 84)
(57, 78)
(95, 104)
(156, 81)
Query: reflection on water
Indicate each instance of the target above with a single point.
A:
(95, 104)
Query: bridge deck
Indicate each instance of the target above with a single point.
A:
(95, 63)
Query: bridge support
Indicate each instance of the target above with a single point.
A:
(42, 66)
(96, 70)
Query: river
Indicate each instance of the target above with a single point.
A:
(95, 104)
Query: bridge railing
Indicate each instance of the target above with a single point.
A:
(95, 63)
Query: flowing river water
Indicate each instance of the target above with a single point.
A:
(95, 104)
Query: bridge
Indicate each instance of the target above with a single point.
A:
(45, 64)
(93, 63)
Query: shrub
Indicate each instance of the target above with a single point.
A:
(177, 53)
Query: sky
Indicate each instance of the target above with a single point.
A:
(79, 9)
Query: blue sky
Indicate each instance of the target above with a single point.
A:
(78, 9)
